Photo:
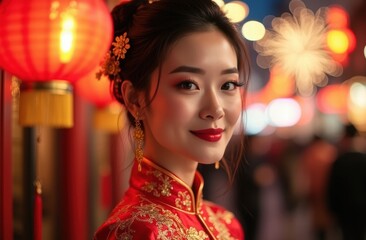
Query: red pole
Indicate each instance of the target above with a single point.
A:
(116, 168)
(74, 176)
(6, 186)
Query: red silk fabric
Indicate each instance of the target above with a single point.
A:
(158, 205)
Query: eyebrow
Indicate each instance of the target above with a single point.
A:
(229, 71)
(190, 69)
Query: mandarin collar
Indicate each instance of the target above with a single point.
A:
(164, 186)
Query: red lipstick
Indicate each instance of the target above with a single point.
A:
(210, 135)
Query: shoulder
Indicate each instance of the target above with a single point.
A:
(142, 220)
(128, 220)
(353, 163)
(223, 220)
(220, 212)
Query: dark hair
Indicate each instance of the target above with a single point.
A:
(153, 27)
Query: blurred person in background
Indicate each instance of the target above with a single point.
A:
(316, 161)
(347, 186)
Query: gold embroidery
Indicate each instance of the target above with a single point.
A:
(193, 234)
(226, 216)
(161, 188)
(165, 187)
(183, 201)
(128, 221)
(223, 231)
(168, 225)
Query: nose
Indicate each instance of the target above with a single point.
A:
(212, 108)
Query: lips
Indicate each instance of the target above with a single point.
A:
(210, 135)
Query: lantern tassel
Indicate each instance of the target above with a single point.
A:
(38, 211)
(46, 104)
(110, 118)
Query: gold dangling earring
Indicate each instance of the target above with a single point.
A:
(139, 140)
(217, 165)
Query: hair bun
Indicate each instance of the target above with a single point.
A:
(123, 13)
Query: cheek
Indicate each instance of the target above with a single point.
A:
(171, 110)
(233, 112)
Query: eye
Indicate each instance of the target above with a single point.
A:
(231, 85)
(187, 85)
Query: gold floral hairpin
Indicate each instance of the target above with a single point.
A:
(110, 64)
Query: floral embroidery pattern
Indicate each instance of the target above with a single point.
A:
(193, 234)
(226, 216)
(152, 209)
(161, 188)
(215, 219)
(168, 225)
(183, 201)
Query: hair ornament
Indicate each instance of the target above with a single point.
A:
(121, 45)
(109, 66)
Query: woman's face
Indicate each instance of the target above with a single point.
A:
(197, 104)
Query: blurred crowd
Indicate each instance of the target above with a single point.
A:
(291, 191)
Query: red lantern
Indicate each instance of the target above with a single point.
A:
(96, 91)
(48, 45)
(109, 115)
(341, 41)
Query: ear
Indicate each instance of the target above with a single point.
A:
(132, 98)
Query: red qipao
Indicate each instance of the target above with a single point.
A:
(158, 205)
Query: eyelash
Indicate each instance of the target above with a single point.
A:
(183, 84)
(235, 83)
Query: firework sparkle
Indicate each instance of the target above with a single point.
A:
(297, 44)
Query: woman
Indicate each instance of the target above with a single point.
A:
(177, 66)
